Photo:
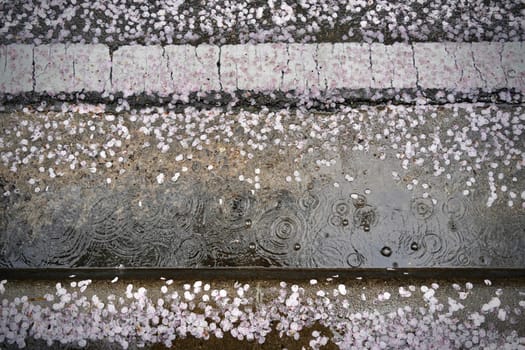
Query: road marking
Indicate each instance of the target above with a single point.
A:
(303, 68)
(16, 68)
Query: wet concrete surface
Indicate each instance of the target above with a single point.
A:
(358, 188)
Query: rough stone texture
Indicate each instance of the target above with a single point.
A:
(191, 22)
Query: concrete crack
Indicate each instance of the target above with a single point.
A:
(46, 65)
(316, 60)
(219, 67)
(373, 79)
(73, 64)
(111, 69)
(476, 67)
(33, 69)
(197, 55)
(167, 58)
(414, 63)
(461, 68)
(287, 48)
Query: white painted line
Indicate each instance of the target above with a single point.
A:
(184, 69)
(16, 68)
(253, 67)
(383, 72)
(344, 65)
(194, 68)
(92, 67)
(301, 74)
(405, 73)
(53, 69)
(469, 76)
(488, 60)
(440, 68)
(71, 68)
(130, 69)
(513, 63)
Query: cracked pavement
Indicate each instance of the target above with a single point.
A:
(181, 70)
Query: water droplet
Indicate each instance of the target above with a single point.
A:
(278, 231)
(341, 208)
(463, 258)
(366, 217)
(248, 223)
(386, 251)
(335, 220)
(358, 200)
(297, 246)
(309, 201)
(422, 208)
(252, 246)
(355, 259)
(455, 208)
(414, 246)
(345, 222)
(432, 243)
